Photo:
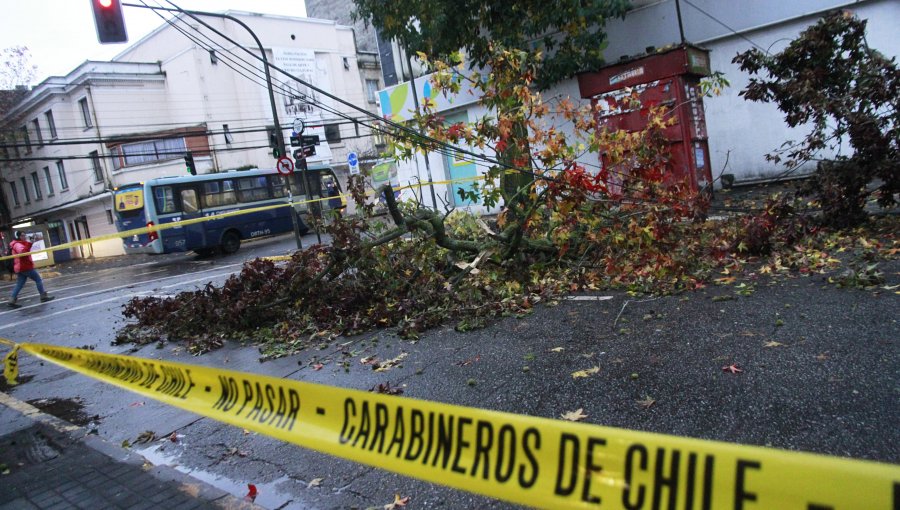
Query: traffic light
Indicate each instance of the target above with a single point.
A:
(189, 163)
(109, 20)
(273, 137)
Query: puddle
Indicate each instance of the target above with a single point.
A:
(68, 409)
(268, 494)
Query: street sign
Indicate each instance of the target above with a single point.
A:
(353, 162)
(309, 140)
(285, 166)
(298, 126)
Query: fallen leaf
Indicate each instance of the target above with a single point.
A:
(235, 451)
(315, 482)
(386, 388)
(773, 343)
(146, 437)
(733, 368)
(647, 402)
(823, 357)
(585, 373)
(136, 404)
(557, 349)
(318, 366)
(369, 360)
(577, 415)
(468, 361)
(386, 365)
(398, 502)
(251, 493)
(126, 444)
(173, 437)
(246, 432)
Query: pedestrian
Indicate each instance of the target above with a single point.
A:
(334, 201)
(24, 269)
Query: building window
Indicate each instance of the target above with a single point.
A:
(49, 181)
(51, 125)
(333, 133)
(109, 216)
(63, 182)
(229, 138)
(85, 112)
(15, 193)
(36, 182)
(95, 163)
(141, 153)
(37, 132)
(26, 138)
(25, 190)
(371, 89)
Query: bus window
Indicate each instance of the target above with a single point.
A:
(189, 201)
(218, 193)
(252, 189)
(165, 199)
(279, 186)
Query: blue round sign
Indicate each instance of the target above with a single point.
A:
(352, 159)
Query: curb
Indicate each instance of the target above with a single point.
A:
(187, 484)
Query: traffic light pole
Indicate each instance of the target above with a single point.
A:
(262, 53)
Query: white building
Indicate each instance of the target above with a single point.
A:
(740, 132)
(74, 138)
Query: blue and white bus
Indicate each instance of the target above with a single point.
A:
(170, 199)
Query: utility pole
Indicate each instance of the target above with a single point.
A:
(412, 84)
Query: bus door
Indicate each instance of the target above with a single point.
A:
(193, 235)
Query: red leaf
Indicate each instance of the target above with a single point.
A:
(251, 495)
(318, 366)
(733, 368)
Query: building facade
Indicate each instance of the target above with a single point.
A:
(187, 87)
(740, 133)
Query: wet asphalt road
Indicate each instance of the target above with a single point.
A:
(831, 385)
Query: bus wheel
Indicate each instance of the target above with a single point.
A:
(231, 241)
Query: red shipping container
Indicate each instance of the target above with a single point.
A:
(670, 78)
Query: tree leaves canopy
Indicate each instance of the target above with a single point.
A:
(569, 33)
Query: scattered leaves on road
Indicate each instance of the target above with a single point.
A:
(733, 368)
(317, 366)
(773, 343)
(557, 349)
(315, 482)
(585, 373)
(576, 415)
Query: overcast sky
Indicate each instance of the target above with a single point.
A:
(61, 33)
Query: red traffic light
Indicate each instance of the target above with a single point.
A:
(109, 21)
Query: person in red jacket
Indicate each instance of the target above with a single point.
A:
(24, 269)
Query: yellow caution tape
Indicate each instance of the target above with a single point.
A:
(533, 461)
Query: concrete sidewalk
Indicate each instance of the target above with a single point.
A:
(48, 463)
